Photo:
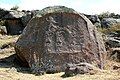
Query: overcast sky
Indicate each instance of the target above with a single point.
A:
(83, 6)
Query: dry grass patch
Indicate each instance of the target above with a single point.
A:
(113, 28)
(7, 39)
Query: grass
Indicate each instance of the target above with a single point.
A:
(113, 28)
(7, 39)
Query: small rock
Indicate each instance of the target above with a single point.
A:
(116, 67)
(82, 68)
(12, 69)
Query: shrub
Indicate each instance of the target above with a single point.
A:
(114, 28)
(104, 15)
(14, 8)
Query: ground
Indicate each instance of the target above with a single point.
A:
(10, 71)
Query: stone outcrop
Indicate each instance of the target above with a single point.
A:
(81, 68)
(113, 39)
(113, 46)
(3, 12)
(57, 36)
(108, 22)
(94, 19)
(114, 54)
(104, 21)
(26, 17)
(15, 21)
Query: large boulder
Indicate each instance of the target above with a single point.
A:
(57, 36)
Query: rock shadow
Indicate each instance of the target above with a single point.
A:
(13, 62)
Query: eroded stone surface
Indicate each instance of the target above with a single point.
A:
(81, 68)
(51, 41)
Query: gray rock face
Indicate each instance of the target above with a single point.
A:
(108, 22)
(26, 18)
(81, 68)
(16, 21)
(95, 20)
(113, 40)
(14, 26)
(57, 37)
(3, 13)
(14, 14)
(13, 22)
(113, 45)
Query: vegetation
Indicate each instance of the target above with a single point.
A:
(15, 8)
(114, 28)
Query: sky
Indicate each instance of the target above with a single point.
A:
(82, 6)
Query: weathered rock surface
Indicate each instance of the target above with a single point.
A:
(26, 17)
(57, 36)
(13, 22)
(113, 42)
(13, 14)
(94, 19)
(108, 22)
(3, 12)
(113, 46)
(113, 39)
(114, 54)
(81, 68)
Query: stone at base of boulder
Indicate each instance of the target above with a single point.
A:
(116, 67)
(82, 68)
